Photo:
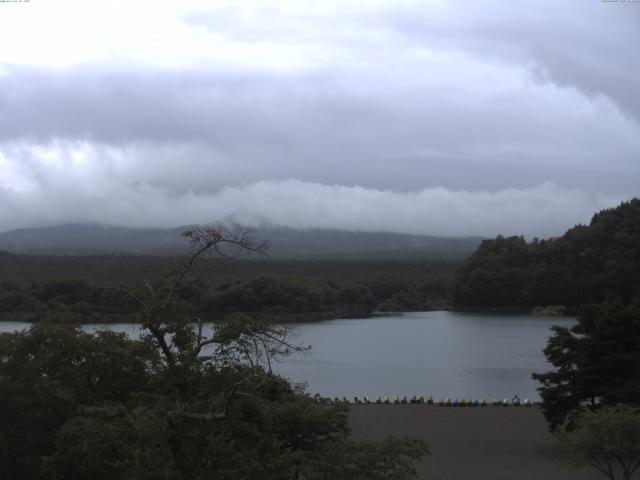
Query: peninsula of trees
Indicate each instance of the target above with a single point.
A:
(588, 264)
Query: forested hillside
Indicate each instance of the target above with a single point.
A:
(92, 288)
(94, 239)
(587, 264)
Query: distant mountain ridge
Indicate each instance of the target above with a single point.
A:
(74, 239)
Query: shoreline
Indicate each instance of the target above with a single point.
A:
(290, 317)
(471, 443)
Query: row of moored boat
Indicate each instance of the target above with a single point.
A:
(444, 402)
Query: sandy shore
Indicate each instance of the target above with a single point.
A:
(471, 443)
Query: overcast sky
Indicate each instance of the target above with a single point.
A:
(458, 117)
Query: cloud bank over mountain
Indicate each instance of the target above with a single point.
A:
(77, 187)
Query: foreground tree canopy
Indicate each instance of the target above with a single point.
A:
(178, 403)
(607, 440)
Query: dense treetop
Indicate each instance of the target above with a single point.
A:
(586, 264)
(90, 288)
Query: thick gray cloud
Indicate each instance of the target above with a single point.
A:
(586, 45)
(444, 117)
(76, 197)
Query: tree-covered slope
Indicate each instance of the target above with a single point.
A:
(83, 239)
(587, 264)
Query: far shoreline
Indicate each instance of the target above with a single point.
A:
(293, 318)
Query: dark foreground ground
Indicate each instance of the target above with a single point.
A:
(471, 443)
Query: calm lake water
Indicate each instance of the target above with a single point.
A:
(444, 354)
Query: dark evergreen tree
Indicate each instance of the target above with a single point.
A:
(597, 362)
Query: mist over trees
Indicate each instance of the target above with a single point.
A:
(285, 243)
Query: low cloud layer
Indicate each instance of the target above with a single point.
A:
(440, 117)
(76, 186)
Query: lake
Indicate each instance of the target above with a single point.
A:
(444, 354)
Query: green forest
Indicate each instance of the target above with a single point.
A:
(92, 288)
(589, 263)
